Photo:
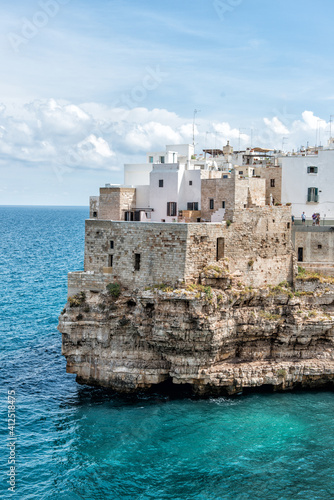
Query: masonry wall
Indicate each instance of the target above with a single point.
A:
(269, 174)
(235, 192)
(317, 243)
(161, 246)
(219, 190)
(94, 202)
(114, 201)
(258, 245)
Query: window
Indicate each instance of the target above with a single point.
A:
(192, 205)
(150, 159)
(300, 254)
(171, 209)
(241, 172)
(272, 183)
(319, 246)
(312, 170)
(161, 183)
(312, 194)
(137, 261)
(212, 204)
(94, 214)
(190, 183)
(162, 159)
(111, 244)
(223, 204)
(110, 260)
(225, 176)
(220, 248)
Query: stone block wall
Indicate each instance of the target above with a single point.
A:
(237, 193)
(94, 202)
(158, 249)
(271, 174)
(86, 281)
(138, 254)
(317, 243)
(258, 245)
(114, 201)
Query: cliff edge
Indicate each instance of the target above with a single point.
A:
(218, 340)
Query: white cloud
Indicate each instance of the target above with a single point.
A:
(276, 126)
(92, 136)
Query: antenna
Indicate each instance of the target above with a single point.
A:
(284, 139)
(240, 129)
(330, 126)
(195, 112)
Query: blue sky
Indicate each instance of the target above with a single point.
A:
(87, 86)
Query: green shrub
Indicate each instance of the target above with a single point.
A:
(114, 289)
(228, 223)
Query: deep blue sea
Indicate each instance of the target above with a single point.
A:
(77, 442)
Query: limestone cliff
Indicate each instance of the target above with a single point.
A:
(216, 340)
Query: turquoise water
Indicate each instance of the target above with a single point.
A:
(76, 442)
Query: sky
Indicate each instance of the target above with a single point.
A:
(88, 86)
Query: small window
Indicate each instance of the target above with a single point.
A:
(162, 159)
(94, 214)
(212, 203)
(192, 205)
(110, 260)
(171, 209)
(272, 183)
(223, 204)
(312, 195)
(190, 183)
(288, 225)
(150, 159)
(225, 176)
(137, 261)
(111, 244)
(319, 246)
(312, 170)
(241, 172)
(161, 183)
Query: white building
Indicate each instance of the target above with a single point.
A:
(308, 183)
(170, 181)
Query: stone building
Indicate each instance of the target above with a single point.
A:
(255, 246)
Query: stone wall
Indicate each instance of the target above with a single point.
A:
(138, 254)
(114, 201)
(235, 192)
(317, 243)
(94, 202)
(86, 281)
(258, 245)
(161, 247)
(271, 174)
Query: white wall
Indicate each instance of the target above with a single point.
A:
(171, 174)
(137, 174)
(296, 181)
(190, 193)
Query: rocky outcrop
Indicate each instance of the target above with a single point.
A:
(218, 341)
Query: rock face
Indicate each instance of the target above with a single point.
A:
(218, 341)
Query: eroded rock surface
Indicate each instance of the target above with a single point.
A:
(217, 341)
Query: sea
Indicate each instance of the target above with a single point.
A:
(65, 441)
